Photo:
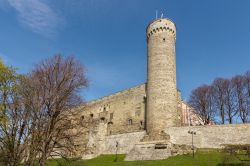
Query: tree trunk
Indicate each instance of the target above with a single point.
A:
(42, 161)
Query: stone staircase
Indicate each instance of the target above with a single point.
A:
(154, 150)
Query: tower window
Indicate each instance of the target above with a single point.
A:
(130, 122)
(91, 115)
(164, 39)
(82, 117)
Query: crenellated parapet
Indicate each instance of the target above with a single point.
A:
(161, 25)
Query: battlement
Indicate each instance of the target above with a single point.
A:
(161, 25)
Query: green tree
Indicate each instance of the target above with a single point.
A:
(8, 84)
(11, 117)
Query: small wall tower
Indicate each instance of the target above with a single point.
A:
(161, 105)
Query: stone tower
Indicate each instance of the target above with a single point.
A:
(161, 105)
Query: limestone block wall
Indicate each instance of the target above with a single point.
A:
(125, 142)
(211, 136)
(120, 116)
(123, 112)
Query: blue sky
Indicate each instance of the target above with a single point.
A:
(108, 37)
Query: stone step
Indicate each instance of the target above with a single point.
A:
(157, 150)
(149, 151)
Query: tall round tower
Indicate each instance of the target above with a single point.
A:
(161, 105)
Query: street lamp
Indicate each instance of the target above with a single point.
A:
(193, 133)
(117, 143)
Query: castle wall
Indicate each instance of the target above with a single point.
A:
(125, 142)
(206, 137)
(123, 112)
(211, 136)
(120, 116)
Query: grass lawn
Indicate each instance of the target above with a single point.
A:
(202, 158)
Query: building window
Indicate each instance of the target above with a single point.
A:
(111, 115)
(82, 117)
(91, 115)
(130, 122)
(164, 39)
(141, 122)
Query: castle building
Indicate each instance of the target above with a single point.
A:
(152, 106)
(141, 121)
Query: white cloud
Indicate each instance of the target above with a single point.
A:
(37, 16)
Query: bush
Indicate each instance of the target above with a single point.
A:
(240, 151)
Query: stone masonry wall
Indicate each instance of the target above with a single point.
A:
(206, 137)
(125, 142)
(211, 136)
(123, 112)
(120, 116)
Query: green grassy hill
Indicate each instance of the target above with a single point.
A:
(202, 158)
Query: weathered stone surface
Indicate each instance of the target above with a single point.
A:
(211, 136)
(125, 142)
(123, 112)
(98, 144)
(93, 141)
(161, 109)
(156, 150)
(149, 151)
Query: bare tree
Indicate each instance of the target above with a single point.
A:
(230, 105)
(201, 101)
(218, 92)
(54, 85)
(246, 114)
(240, 92)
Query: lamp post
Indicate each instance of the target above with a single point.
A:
(189, 128)
(116, 150)
(193, 133)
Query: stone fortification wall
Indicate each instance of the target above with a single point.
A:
(211, 136)
(123, 112)
(98, 144)
(125, 142)
(120, 116)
